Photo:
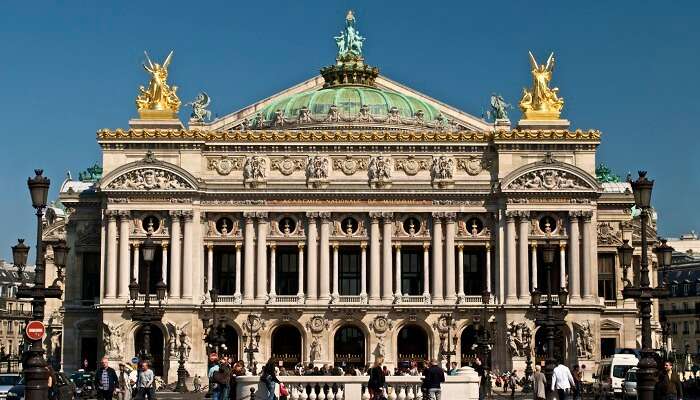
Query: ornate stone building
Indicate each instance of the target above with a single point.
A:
(343, 218)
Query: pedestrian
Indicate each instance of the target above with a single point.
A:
(269, 378)
(237, 370)
(578, 382)
(124, 380)
(213, 370)
(669, 385)
(539, 384)
(197, 383)
(433, 377)
(562, 381)
(145, 382)
(106, 380)
(223, 378)
(512, 382)
(377, 379)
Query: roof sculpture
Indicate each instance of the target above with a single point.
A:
(159, 100)
(541, 102)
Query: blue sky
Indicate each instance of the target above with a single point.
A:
(628, 68)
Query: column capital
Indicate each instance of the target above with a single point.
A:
(437, 215)
(210, 246)
(301, 245)
(534, 245)
(111, 214)
(587, 215)
(573, 214)
(175, 213)
(311, 215)
(374, 216)
(397, 246)
(249, 216)
(363, 245)
(325, 216)
(487, 245)
(450, 217)
(164, 245)
(238, 245)
(524, 215)
(562, 246)
(261, 216)
(426, 245)
(460, 246)
(136, 245)
(335, 245)
(272, 245)
(124, 214)
(188, 215)
(388, 217)
(511, 215)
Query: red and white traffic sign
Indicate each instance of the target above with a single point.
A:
(35, 330)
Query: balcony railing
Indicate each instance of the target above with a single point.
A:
(286, 299)
(350, 299)
(610, 303)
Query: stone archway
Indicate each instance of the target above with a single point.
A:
(412, 344)
(349, 347)
(231, 342)
(286, 345)
(560, 345)
(156, 348)
(468, 342)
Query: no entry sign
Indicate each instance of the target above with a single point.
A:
(35, 330)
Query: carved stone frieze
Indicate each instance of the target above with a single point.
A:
(411, 165)
(349, 164)
(474, 164)
(608, 235)
(317, 168)
(379, 172)
(150, 179)
(442, 171)
(317, 325)
(518, 338)
(255, 171)
(287, 165)
(548, 179)
(224, 164)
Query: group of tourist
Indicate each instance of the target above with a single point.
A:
(129, 383)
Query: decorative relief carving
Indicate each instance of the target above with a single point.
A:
(349, 165)
(608, 235)
(88, 233)
(149, 179)
(112, 339)
(287, 165)
(518, 338)
(379, 172)
(224, 165)
(473, 165)
(381, 325)
(412, 165)
(255, 171)
(317, 171)
(585, 341)
(548, 179)
(442, 171)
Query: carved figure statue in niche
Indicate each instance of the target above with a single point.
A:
(112, 339)
(379, 169)
(317, 168)
(254, 168)
(442, 168)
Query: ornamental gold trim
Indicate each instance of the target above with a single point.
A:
(276, 136)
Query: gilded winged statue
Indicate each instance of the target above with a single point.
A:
(159, 99)
(541, 101)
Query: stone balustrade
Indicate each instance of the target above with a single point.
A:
(464, 386)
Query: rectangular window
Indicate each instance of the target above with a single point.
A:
(10, 327)
(350, 273)
(686, 287)
(606, 276)
(91, 276)
(697, 326)
(412, 271)
(474, 270)
(225, 270)
(686, 328)
(685, 306)
(287, 274)
(674, 328)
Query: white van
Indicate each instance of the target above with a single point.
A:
(611, 372)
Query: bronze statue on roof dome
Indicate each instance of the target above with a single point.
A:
(350, 41)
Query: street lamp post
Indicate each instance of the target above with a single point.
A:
(549, 318)
(644, 293)
(251, 347)
(33, 362)
(213, 339)
(181, 386)
(485, 342)
(147, 315)
(448, 349)
(527, 386)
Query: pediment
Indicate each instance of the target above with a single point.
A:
(610, 325)
(459, 119)
(148, 175)
(549, 176)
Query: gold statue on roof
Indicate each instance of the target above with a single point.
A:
(541, 102)
(159, 100)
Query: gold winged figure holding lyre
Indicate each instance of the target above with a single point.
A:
(541, 102)
(159, 100)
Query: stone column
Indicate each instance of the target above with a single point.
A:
(460, 272)
(273, 271)
(300, 292)
(437, 257)
(237, 293)
(523, 242)
(511, 265)
(175, 254)
(135, 257)
(397, 273)
(574, 261)
(363, 272)
(586, 259)
(387, 265)
(187, 256)
(261, 259)
(249, 260)
(124, 256)
(164, 270)
(534, 266)
(500, 256)
(562, 265)
(336, 277)
(111, 281)
(374, 289)
(210, 266)
(451, 295)
(312, 254)
(488, 267)
(324, 248)
(426, 268)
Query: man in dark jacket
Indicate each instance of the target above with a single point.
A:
(106, 380)
(669, 386)
(432, 378)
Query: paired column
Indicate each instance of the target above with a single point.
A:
(248, 245)
(336, 277)
(261, 260)
(451, 295)
(524, 265)
(312, 260)
(437, 257)
(363, 272)
(124, 256)
(397, 273)
(187, 255)
(374, 288)
(111, 281)
(534, 266)
(324, 247)
(300, 291)
(511, 267)
(574, 260)
(387, 267)
(210, 266)
(237, 293)
(175, 254)
(586, 233)
(273, 271)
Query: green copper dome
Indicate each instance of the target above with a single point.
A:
(349, 100)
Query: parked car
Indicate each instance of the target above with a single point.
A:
(611, 372)
(629, 385)
(64, 389)
(6, 383)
